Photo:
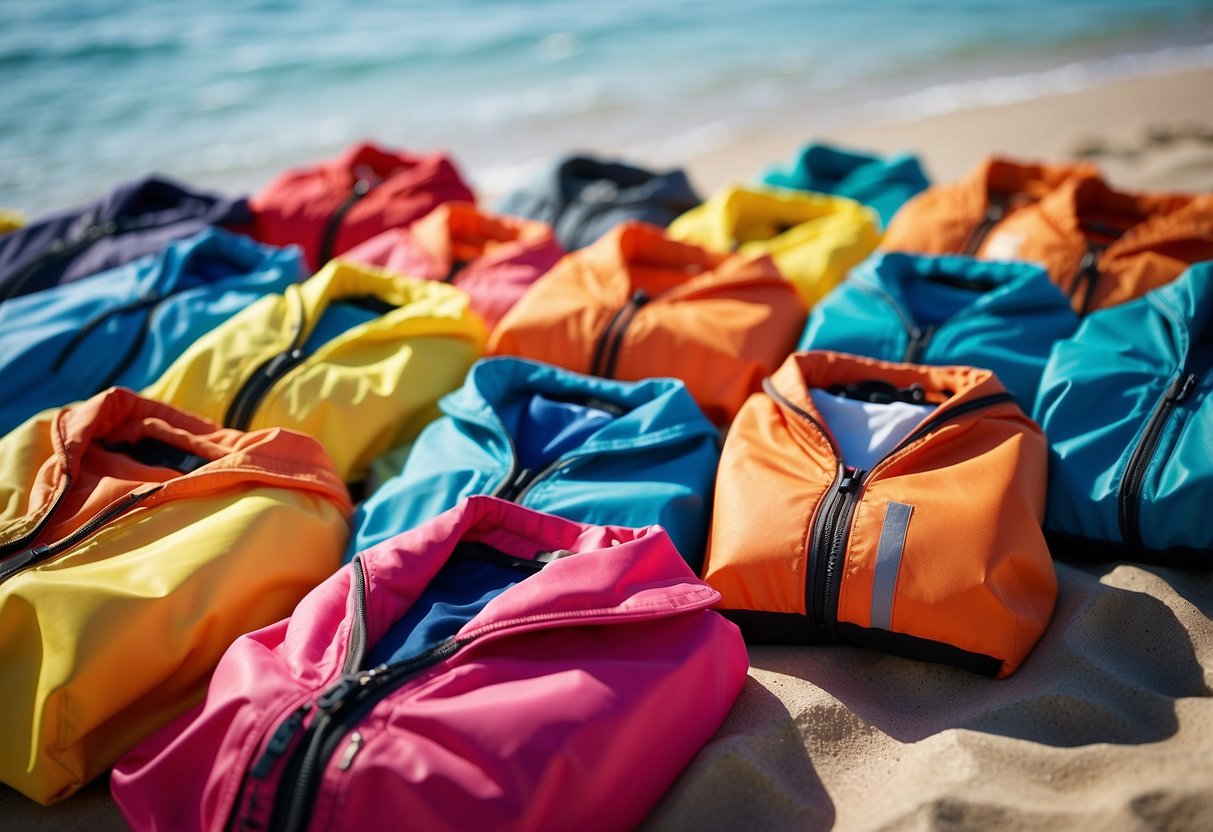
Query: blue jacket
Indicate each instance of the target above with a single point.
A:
(1127, 405)
(132, 220)
(125, 326)
(580, 447)
(882, 184)
(582, 198)
(1003, 316)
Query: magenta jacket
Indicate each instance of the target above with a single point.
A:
(571, 701)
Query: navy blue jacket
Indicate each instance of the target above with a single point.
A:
(134, 219)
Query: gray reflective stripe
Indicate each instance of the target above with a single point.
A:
(888, 562)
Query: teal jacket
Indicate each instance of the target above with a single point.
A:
(882, 184)
(949, 309)
(1127, 405)
(126, 325)
(580, 447)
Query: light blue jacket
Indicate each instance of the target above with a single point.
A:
(941, 310)
(126, 325)
(642, 453)
(1127, 405)
(882, 184)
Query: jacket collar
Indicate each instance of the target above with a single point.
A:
(460, 231)
(1011, 284)
(948, 387)
(1148, 220)
(1019, 183)
(655, 411)
(637, 255)
(612, 573)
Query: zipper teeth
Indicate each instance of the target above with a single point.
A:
(612, 357)
(540, 475)
(357, 643)
(244, 403)
(1134, 476)
(331, 728)
(995, 212)
(598, 361)
(38, 554)
(48, 258)
(835, 515)
(328, 239)
(949, 414)
(17, 543)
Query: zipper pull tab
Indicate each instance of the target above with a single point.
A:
(351, 751)
(851, 478)
(1182, 388)
(335, 696)
(279, 741)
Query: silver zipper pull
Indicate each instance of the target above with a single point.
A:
(351, 751)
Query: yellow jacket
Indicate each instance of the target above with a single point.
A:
(136, 543)
(369, 389)
(813, 238)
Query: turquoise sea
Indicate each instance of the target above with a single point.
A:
(225, 93)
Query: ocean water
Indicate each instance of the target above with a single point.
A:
(228, 92)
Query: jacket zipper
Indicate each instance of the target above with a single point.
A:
(148, 302)
(289, 727)
(60, 249)
(38, 554)
(457, 266)
(918, 337)
(832, 524)
(1087, 276)
(33, 533)
(606, 351)
(339, 708)
(244, 404)
(329, 238)
(995, 211)
(1129, 513)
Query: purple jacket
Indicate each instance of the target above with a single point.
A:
(135, 218)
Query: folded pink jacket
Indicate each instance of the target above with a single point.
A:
(572, 700)
(492, 258)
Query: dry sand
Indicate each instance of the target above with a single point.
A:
(1108, 725)
(1147, 134)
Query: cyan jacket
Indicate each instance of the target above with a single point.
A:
(883, 184)
(653, 461)
(1003, 316)
(1127, 405)
(582, 198)
(134, 219)
(125, 326)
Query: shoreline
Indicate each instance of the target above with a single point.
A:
(1146, 133)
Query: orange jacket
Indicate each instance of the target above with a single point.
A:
(494, 259)
(1101, 246)
(636, 304)
(935, 553)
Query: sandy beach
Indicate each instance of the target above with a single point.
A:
(1108, 725)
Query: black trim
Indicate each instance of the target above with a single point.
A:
(792, 628)
(1080, 549)
(329, 238)
(606, 351)
(473, 550)
(370, 303)
(995, 211)
(1131, 482)
(157, 454)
